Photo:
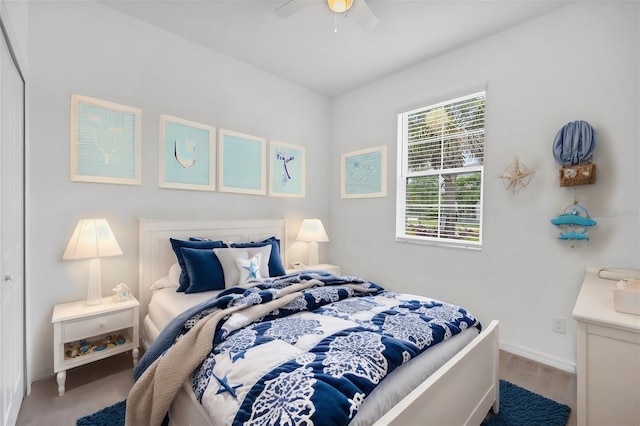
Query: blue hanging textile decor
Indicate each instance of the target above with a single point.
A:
(574, 143)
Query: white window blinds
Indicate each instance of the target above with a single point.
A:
(440, 172)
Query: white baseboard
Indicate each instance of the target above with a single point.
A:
(539, 357)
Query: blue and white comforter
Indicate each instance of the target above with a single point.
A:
(314, 360)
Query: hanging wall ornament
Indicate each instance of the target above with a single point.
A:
(573, 148)
(516, 176)
(574, 222)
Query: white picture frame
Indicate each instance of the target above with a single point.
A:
(186, 154)
(364, 173)
(105, 140)
(287, 170)
(242, 163)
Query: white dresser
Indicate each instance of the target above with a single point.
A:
(608, 357)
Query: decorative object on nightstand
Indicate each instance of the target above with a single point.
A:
(121, 292)
(313, 232)
(83, 334)
(92, 239)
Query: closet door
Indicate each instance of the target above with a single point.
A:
(11, 237)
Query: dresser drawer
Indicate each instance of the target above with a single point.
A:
(92, 326)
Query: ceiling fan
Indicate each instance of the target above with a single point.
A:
(357, 9)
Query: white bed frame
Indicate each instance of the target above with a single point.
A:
(461, 392)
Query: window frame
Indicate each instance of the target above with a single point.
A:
(403, 174)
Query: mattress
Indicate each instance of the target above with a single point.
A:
(167, 303)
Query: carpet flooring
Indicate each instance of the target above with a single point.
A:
(518, 407)
(112, 415)
(106, 382)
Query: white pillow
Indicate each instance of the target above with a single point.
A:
(228, 256)
(249, 269)
(174, 273)
(171, 280)
(163, 282)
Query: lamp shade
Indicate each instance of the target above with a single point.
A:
(340, 6)
(92, 238)
(312, 230)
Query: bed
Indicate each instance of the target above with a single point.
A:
(465, 365)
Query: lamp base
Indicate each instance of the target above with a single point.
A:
(313, 253)
(94, 289)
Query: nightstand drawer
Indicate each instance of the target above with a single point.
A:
(85, 327)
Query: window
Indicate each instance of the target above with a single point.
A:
(440, 172)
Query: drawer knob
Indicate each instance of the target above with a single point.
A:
(102, 324)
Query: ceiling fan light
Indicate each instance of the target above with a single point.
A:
(340, 6)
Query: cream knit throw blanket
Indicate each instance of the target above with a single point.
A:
(151, 396)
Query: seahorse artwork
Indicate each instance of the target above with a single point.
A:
(286, 176)
(186, 155)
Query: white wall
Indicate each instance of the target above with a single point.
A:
(580, 62)
(15, 20)
(89, 49)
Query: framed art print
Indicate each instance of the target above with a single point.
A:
(286, 170)
(243, 165)
(364, 173)
(187, 154)
(104, 142)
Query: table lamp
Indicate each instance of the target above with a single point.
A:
(313, 232)
(92, 239)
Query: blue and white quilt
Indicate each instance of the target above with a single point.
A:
(314, 360)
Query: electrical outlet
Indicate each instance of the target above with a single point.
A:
(559, 325)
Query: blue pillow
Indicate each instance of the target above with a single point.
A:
(204, 270)
(276, 267)
(179, 244)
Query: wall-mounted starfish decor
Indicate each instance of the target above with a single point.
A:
(516, 176)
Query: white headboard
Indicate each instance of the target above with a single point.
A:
(157, 256)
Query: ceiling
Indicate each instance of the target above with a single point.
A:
(305, 49)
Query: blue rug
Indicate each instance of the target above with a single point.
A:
(110, 416)
(518, 407)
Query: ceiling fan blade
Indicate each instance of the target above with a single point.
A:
(361, 12)
(289, 8)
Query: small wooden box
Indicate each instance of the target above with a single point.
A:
(581, 174)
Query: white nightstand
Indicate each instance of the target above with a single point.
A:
(80, 332)
(332, 269)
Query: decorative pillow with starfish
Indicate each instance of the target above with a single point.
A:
(249, 269)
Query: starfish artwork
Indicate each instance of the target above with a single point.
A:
(516, 176)
(226, 387)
